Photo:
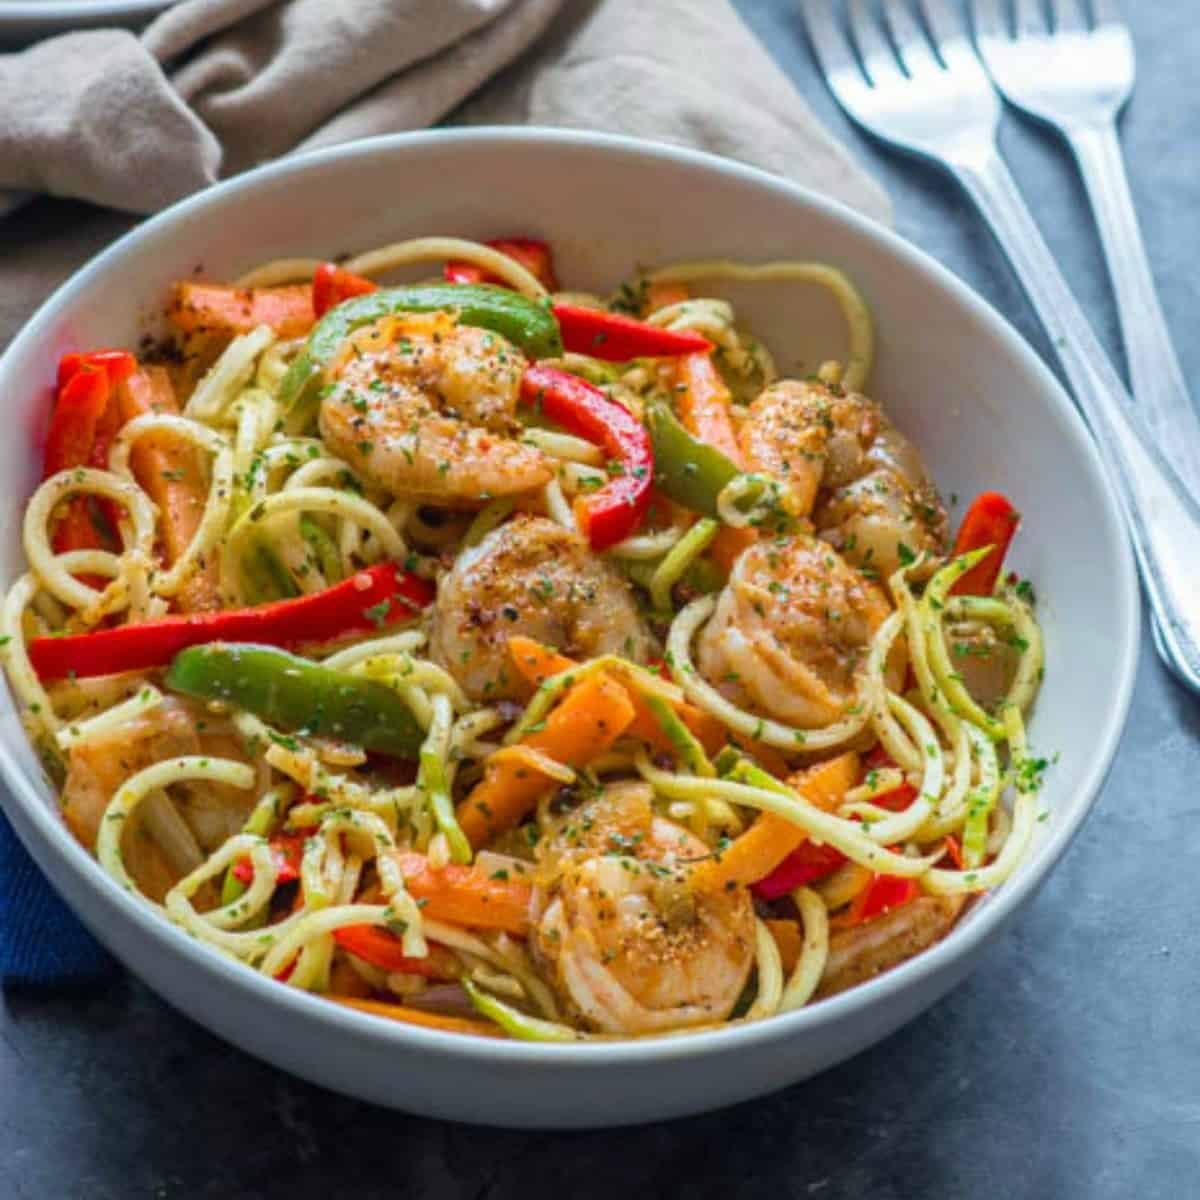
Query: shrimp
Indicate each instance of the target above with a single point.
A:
(533, 577)
(791, 631)
(425, 409)
(630, 948)
(861, 480)
(99, 766)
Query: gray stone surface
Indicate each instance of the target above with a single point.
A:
(1067, 1066)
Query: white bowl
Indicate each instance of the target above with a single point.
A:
(984, 409)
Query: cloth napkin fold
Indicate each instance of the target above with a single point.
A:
(213, 87)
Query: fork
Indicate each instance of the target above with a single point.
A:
(927, 93)
(1077, 79)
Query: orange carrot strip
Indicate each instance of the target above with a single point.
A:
(703, 402)
(584, 724)
(538, 663)
(728, 544)
(417, 1016)
(171, 474)
(758, 851)
(787, 937)
(465, 895)
(218, 308)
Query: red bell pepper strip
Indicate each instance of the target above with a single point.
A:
(117, 365)
(80, 405)
(990, 521)
(881, 895)
(613, 512)
(83, 422)
(617, 338)
(287, 849)
(808, 862)
(533, 255)
(382, 949)
(371, 599)
(331, 285)
(897, 799)
(82, 426)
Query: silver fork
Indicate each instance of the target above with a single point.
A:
(1077, 77)
(934, 100)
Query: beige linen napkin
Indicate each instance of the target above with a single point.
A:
(215, 86)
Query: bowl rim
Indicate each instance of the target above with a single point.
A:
(167, 938)
(44, 12)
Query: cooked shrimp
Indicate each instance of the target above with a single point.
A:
(425, 408)
(97, 768)
(629, 947)
(533, 577)
(791, 632)
(860, 478)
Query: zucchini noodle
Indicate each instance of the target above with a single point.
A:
(850, 300)
(648, 546)
(111, 720)
(557, 506)
(352, 509)
(689, 547)
(438, 249)
(942, 882)
(889, 828)
(770, 974)
(228, 375)
(436, 788)
(38, 711)
(216, 509)
(279, 270)
(491, 516)
(814, 951)
(160, 775)
(932, 606)
(846, 836)
(46, 565)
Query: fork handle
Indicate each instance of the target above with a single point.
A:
(1163, 518)
(1158, 382)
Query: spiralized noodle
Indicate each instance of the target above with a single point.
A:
(324, 864)
(853, 306)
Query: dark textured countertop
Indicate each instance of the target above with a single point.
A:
(1067, 1066)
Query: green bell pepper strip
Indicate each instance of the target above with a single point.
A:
(694, 474)
(298, 695)
(528, 324)
(689, 471)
